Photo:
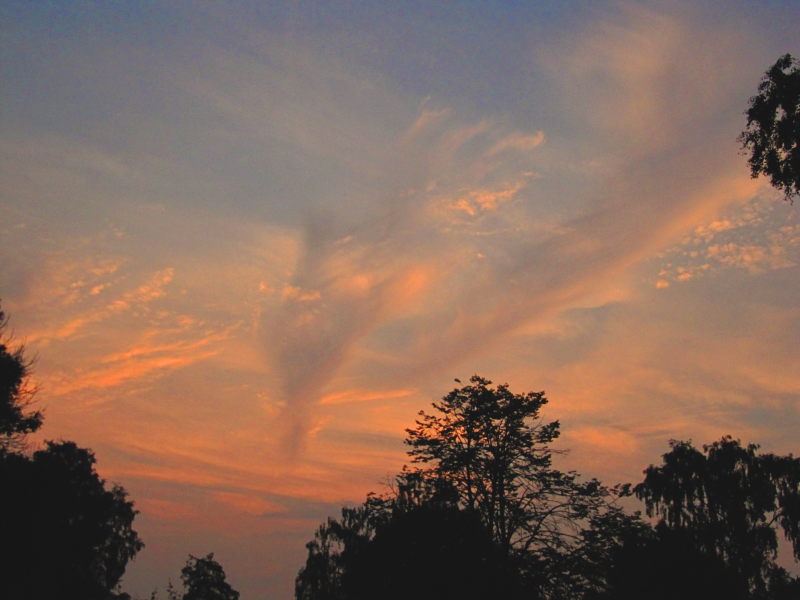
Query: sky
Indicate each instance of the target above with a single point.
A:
(248, 241)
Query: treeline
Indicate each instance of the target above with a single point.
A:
(482, 513)
(65, 533)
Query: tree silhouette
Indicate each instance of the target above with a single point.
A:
(65, 535)
(492, 445)
(588, 568)
(487, 465)
(772, 136)
(15, 394)
(336, 544)
(726, 502)
(664, 564)
(487, 516)
(204, 579)
(432, 552)
(414, 542)
(69, 536)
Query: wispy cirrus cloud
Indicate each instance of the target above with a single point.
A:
(354, 278)
(142, 294)
(139, 364)
(465, 210)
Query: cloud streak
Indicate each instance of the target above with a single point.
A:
(467, 188)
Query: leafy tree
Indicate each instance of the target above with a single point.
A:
(336, 545)
(589, 566)
(65, 535)
(726, 501)
(664, 564)
(486, 472)
(622, 557)
(485, 515)
(414, 542)
(492, 445)
(15, 394)
(432, 552)
(716, 537)
(204, 579)
(321, 577)
(69, 536)
(772, 136)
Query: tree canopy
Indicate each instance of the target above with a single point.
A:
(71, 537)
(727, 502)
(772, 135)
(483, 513)
(481, 458)
(492, 445)
(66, 535)
(204, 579)
(16, 393)
(414, 542)
(431, 552)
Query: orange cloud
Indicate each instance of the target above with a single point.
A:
(117, 375)
(169, 510)
(139, 363)
(479, 201)
(606, 440)
(354, 396)
(142, 294)
(249, 504)
(753, 236)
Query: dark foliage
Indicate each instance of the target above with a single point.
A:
(664, 564)
(487, 516)
(15, 394)
(432, 553)
(69, 537)
(725, 503)
(486, 483)
(586, 571)
(772, 136)
(492, 446)
(64, 534)
(204, 579)
(338, 543)
(412, 543)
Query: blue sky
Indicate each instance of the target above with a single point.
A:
(249, 241)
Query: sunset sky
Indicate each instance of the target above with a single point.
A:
(248, 241)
